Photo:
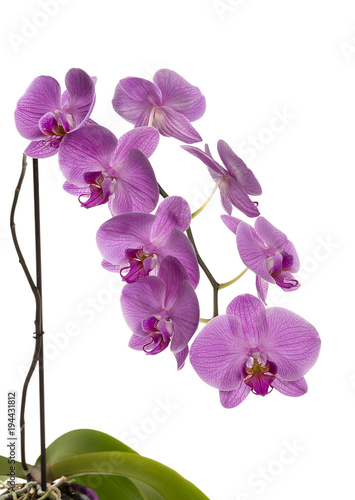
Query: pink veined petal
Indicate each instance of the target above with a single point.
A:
(231, 222)
(207, 159)
(40, 149)
(142, 91)
(231, 399)
(122, 232)
(250, 311)
(295, 388)
(181, 357)
(252, 251)
(180, 94)
(172, 212)
(238, 169)
(262, 288)
(81, 92)
(110, 267)
(291, 343)
(88, 149)
(290, 249)
(219, 352)
(140, 300)
(136, 189)
(127, 107)
(145, 139)
(173, 273)
(41, 97)
(75, 190)
(171, 123)
(137, 342)
(240, 199)
(143, 119)
(48, 123)
(180, 247)
(272, 236)
(225, 199)
(185, 314)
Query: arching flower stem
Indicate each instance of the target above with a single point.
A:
(214, 283)
(228, 283)
(199, 210)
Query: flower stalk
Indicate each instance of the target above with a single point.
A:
(228, 283)
(36, 290)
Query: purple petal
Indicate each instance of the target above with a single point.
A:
(41, 149)
(262, 288)
(231, 222)
(225, 198)
(170, 123)
(294, 388)
(291, 343)
(219, 353)
(272, 237)
(141, 300)
(251, 313)
(286, 281)
(84, 490)
(75, 190)
(238, 169)
(136, 189)
(122, 232)
(81, 91)
(173, 273)
(240, 199)
(231, 399)
(172, 212)
(137, 342)
(88, 149)
(181, 357)
(180, 94)
(48, 123)
(110, 267)
(207, 159)
(42, 96)
(180, 247)
(142, 91)
(129, 108)
(252, 251)
(143, 138)
(290, 249)
(185, 315)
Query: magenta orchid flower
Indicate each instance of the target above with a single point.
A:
(235, 182)
(162, 310)
(266, 251)
(134, 244)
(253, 349)
(169, 104)
(105, 169)
(44, 115)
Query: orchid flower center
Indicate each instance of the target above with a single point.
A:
(101, 188)
(139, 264)
(160, 332)
(278, 264)
(54, 126)
(155, 117)
(259, 374)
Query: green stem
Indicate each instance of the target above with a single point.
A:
(194, 214)
(202, 320)
(228, 283)
(214, 283)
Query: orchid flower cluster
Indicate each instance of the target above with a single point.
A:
(250, 348)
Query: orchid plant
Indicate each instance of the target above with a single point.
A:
(250, 348)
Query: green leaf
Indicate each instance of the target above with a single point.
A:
(153, 480)
(5, 469)
(79, 442)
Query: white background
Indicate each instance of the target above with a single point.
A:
(252, 60)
